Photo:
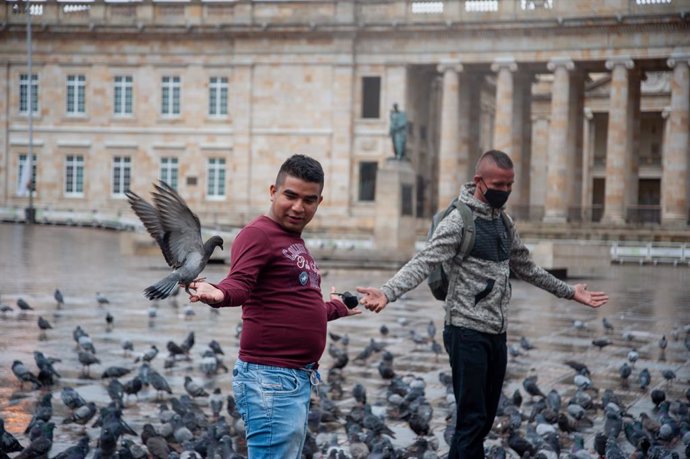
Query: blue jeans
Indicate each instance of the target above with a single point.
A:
(478, 364)
(274, 404)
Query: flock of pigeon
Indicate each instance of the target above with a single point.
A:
(175, 402)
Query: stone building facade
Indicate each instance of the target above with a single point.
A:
(590, 98)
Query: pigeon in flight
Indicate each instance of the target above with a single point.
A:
(177, 231)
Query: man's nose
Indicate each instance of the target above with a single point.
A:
(298, 205)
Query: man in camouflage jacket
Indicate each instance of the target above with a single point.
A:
(478, 296)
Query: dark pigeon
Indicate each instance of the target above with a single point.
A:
(177, 231)
(78, 451)
(8, 444)
(23, 305)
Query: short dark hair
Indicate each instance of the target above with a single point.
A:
(302, 167)
(501, 159)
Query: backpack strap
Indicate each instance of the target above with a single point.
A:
(467, 238)
(467, 242)
(508, 222)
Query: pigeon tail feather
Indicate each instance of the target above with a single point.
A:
(163, 288)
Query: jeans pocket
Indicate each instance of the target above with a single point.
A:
(239, 390)
(279, 382)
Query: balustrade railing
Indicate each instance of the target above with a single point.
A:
(332, 12)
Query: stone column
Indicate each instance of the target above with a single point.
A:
(509, 125)
(449, 169)
(674, 182)
(557, 174)
(618, 142)
(503, 123)
(538, 165)
(468, 127)
(588, 138)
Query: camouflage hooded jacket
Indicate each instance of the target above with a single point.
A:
(479, 288)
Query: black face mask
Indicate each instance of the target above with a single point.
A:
(495, 198)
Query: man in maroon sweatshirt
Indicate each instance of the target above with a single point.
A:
(277, 283)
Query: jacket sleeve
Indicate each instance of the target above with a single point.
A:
(442, 247)
(250, 252)
(523, 266)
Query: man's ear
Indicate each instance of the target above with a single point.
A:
(272, 191)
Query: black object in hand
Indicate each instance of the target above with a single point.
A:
(350, 300)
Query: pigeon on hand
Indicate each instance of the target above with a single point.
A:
(177, 231)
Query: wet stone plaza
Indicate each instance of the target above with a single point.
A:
(646, 303)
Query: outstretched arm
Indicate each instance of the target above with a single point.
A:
(591, 299)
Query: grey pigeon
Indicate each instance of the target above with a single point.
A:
(59, 298)
(71, 398)
(23, 374)
(177, 231)
(194, 389)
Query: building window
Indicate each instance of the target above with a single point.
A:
(170, 102)
(123, 96)
(371, 97)
(169, 171)
(367, 180)
(218, 96)
(122, 172)
(76, 94)
(24, 93)
(23, 180)
(74, 175)
(216, 178)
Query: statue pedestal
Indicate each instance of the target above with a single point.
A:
(394, 232)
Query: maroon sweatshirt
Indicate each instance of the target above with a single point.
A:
(278, 284)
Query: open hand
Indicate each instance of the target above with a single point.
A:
(204, 292)
(592, 299)
(373, 299)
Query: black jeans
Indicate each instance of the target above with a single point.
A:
(478, 363)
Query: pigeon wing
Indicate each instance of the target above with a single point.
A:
(182, 229)
(149, 217)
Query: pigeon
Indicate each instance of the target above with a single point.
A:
(78, 451)
(525, 344)
(8, 444)
(45, 364)
(194, 389)
(608, 326)
(87, 359)
(81, 415)
(133, 386)
(43, 324)
(71, 398)
(177, 230)
(644, 378)
(102, 300)
(59, 298)
(601, 342)
(23, 305)
(23, 374)
(530, 385)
